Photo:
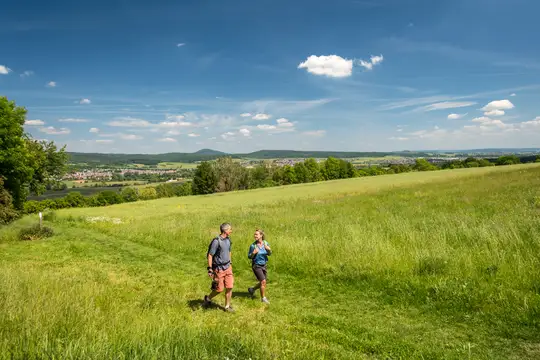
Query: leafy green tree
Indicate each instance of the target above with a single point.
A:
(25, 164)
(485, 163)
(313, 170)
(229, 174)
(129, 194)
(424, 165)
(508, 160)
(289, 175)
(7, 212)
(538, 159)
(331, 168)
(109, 197)
(205, 179)
(75, 199)
(148, 193)
(301, 172)
(347, 169)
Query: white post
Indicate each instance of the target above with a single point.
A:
(40, 219)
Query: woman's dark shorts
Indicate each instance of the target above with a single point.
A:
(259, 271)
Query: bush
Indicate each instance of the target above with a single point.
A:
(147, 193)
(7, 211)
(129, 194)
(35, 232)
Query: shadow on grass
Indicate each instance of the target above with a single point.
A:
(241, 294)
(199, 304)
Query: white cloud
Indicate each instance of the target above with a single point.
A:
(423, 134)
(532, 123)
(266, 127)
(494, 113)
(330, 66)
(513, 94)
(261, 117)
(284, 123)
(193, 135)
(245, 132)
(168, 139)
(72, 120)
(446, 105)
(85, 101)
(130, 137)
(94, 130)
(398, 138)
(104, 141)
(173, 132)
(4, 70)
(368, 65)
(34, 122)
(180, 44)
(53, 131)
(176, 117)
(455, 116)
(499, 105)
(128, 122)
(245, 115)
(315, 133)
(27, 73)
(173, 124)
(51, 84)
(225, 136)
(485, 121)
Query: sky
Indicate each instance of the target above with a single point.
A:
(239, 76)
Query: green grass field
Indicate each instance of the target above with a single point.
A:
(433, 265)
(176, 165)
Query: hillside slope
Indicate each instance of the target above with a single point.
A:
(419, 265)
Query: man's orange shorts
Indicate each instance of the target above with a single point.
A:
(224, 279)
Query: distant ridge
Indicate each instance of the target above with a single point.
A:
(209, 152)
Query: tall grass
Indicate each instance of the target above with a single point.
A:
(426, 265)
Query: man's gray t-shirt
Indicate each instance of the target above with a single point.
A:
(220, 250)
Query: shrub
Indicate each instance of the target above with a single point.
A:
(35, 232)
(147, 193)
(129, 194)
(7, 211)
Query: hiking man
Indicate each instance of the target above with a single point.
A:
(220, 267)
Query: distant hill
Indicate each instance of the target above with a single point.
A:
(210, 154)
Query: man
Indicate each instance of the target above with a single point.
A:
(220, 267)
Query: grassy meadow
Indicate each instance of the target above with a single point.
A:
(431, 265)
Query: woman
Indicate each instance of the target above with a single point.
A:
(258, 253)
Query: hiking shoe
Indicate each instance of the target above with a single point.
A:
(229, 309)
(251, 291)
(206, 301)
(265, 300)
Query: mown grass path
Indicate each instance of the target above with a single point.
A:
(440, 265)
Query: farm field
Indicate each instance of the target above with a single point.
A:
(176, 165)
(426, 265)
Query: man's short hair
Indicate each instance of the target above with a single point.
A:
(224, 227)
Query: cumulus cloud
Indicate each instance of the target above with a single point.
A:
(456, 116)
(498, 105)
(446, 105)
(27, 73)
(261, 117)
(72, 120)
(284, 123)
(176, 117)
(104, 141)
(513, 94)
(330, 66)
(532, 123)
(128, 121)
(245, 132)
(494, 113)
(34, 122)
(193, 135)
(315, 133)
(51, 84)
(485, 121)
(85, 101)
(167, 139)
(94, 130)
(53, 131)
(226, 136)
(173, 132)
(266, 127)
(368, 65)
(4, 70)
(173, 124)
(245, 115)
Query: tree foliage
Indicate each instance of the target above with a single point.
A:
(205, 179)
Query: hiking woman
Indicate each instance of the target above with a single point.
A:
(258, 253)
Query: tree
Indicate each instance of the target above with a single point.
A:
(301, 172)
(538, 159)
(346, 169)
(7, 212)
(147, 193)
(508, 160)
(313, 170)
(331, 168)
(424, 165)
(129, 194)
(75, 199)
(205, 179)
(25, 163)
(229, 174)
(289, 175)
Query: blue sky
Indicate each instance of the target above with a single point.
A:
(239, 76)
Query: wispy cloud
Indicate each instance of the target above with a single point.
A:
(51, 84)
(128, 122)
(315, 133)
(73, 120)
(27, 73)
(445, 105)
(94, 130)
(368, 65)
(130, 137)
(51, 130)
(104, 141)
(34, 122)
(85, 101)
(260, 117)
(456, 116)
(167, 139)
(181, 44)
